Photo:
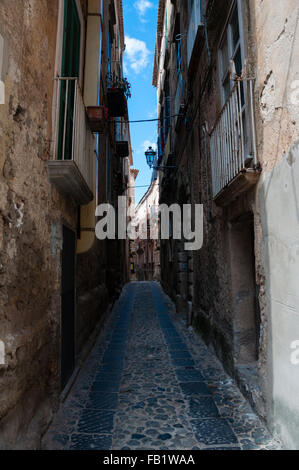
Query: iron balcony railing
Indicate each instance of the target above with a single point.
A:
(122, 133)
(195, 22)
(233, 141)
(74, 140)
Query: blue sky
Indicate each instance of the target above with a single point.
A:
(140, 21)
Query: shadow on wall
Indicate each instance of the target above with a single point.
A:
(278, 262)
(30, 328)
(278, 198)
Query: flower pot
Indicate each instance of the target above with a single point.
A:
(96, 118)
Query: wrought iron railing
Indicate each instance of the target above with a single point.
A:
(73, 138)
(122, 133)
(233, 142)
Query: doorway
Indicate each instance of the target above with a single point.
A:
(246, 312)
(68, 306)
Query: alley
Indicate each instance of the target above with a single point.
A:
(150, 383)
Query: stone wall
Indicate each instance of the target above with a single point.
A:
(271, 37)
(32, 214)
(243, 296)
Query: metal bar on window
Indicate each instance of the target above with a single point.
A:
(65, 120)
(253, 123)
(74, 120)
(241, 123)
(56, 143)
(82, 140)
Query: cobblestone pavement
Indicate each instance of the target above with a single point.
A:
(150, 383)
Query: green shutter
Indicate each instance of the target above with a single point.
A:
(70, 67)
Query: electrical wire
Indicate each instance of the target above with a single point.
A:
(143, 186)
(147, 120)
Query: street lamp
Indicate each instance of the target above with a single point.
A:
(150, 155)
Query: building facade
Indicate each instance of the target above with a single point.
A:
(61, 154)
(227, 74)
(131, 218)
(145, 250)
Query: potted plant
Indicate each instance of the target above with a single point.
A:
(118, 91)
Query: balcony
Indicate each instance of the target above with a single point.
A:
(233, 147)
(72, 167)
(195, 27)
(117, 102)
(122, 139)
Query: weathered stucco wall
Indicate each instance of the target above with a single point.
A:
(276, 33)
(278, 198)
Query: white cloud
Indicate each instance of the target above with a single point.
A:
(144, 146)
(147, 143)
(142, 6)
(126, 71)
(152, 114)
(137, 54)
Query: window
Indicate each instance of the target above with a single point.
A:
(167, 106)
(177, 41)
(71, 41)
(179, 95)
(70, 67)
(232, 49)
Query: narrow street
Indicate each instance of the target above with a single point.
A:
(150, 383)
(149, 225)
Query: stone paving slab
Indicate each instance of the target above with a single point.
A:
(150, 383)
